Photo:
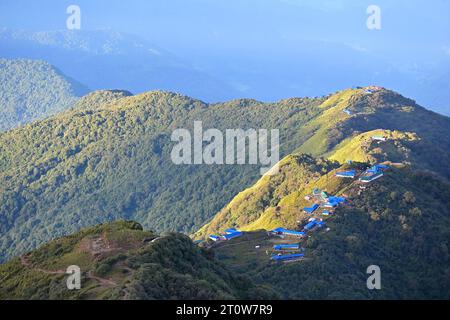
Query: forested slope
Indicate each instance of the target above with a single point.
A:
(33, 89)
(109, 157)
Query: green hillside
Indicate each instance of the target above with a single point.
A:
(274, 200)
(109, 158)
(400, 223)
(121, 261)
(31, 90)
(107, 161)
(279, 200)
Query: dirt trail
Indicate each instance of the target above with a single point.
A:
(27, 264)
(104, 282)
(96, 247)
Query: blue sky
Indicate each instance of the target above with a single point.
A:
(247, 25)
(263, 47)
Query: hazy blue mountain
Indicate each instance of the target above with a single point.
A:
(309, 67)
(315, 67)
(111, 60)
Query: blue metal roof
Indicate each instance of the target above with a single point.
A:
(379, 167)
(350, 174)
(287, 257)
(312, 208)
(347, 111)
(310, 225)
(374, 169)
(229, 236)
(286, 231)
(295, 233)
(334, 201)
(321, 224)
(286, 246)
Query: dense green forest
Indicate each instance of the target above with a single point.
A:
(31, 90)
(108, 158)
(121, 261)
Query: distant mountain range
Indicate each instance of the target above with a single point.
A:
(32, 90)
(113, 60)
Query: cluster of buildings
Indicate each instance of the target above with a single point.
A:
(371, 174)
(287, 252)
(323, 200)
(293, 252)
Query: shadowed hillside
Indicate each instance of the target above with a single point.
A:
(31, 90)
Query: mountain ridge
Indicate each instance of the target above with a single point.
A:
(124, 61)
(113, 161)
(399, 223)
(122, 261)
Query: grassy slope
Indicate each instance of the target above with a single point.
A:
(363, 149)
(274, 200)
(121, 261)
(279, 200)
